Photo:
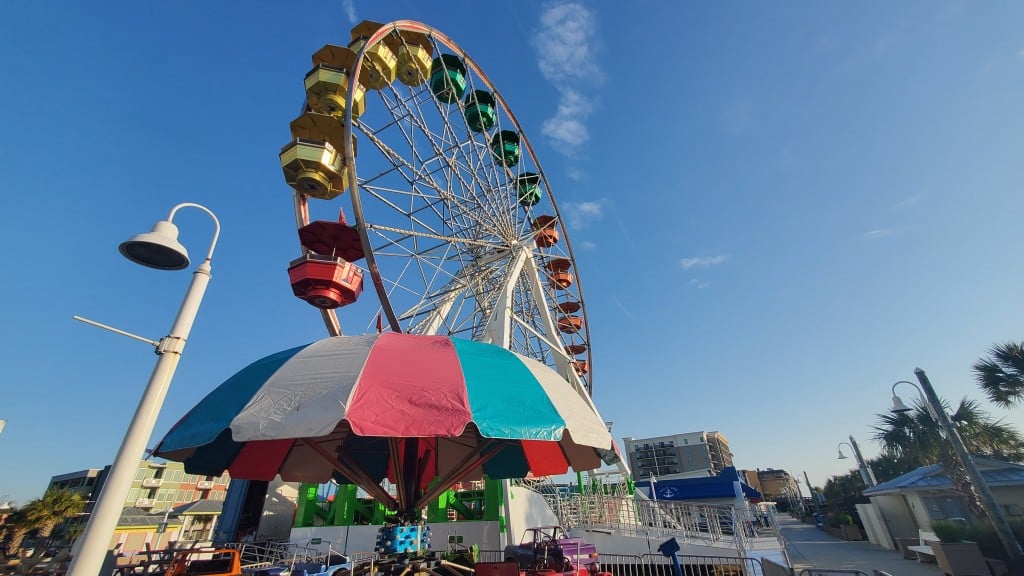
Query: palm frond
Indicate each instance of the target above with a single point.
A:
(1001, 375)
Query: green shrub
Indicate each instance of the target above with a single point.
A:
(837, 519)
(988, 541)
(950, 531)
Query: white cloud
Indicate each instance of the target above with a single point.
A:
(588, 245)
(350, 11)
(579, 214)
(565, 45)
(699, 284)
(622, 308)
(567, 127)
(702, 261)
(908, 201)
(877, 233)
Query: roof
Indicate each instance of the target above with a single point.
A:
(139, 518)
(721, 486)
(206, 507)
(931, 477)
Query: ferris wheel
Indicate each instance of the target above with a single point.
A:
(452, 228)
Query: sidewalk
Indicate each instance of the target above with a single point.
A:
(809, 547)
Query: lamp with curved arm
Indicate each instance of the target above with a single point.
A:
(158, 249)
(988, 501)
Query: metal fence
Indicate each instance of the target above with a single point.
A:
(829, 572)
(712, 525)
(658, 565)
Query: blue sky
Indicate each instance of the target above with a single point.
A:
(779, 209)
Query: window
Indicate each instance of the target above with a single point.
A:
(190, 496)
(140, 474)
(180, 496)
(943, 507)
(133, 494)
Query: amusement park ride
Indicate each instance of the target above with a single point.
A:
(457, 240)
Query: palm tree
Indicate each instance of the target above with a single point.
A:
(915, 439)
(1001, 375)
(13, 531)
(52, 509)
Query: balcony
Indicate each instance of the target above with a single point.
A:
(152, 482)
(205, 485)
(144, 503)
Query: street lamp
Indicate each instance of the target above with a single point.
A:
(988, 502)
(866, 473)
(158, 249)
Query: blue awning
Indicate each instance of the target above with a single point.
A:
(721, 486)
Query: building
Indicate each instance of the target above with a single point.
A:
(159, 507)
(777, 485)
(913, 501)
(157, 486)
(690, 455)
(82, 482)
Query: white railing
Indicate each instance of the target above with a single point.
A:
(144, 503)
(707, 524)
(204, 485)
(152, 482)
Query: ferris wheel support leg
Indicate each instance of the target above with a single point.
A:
(498, 329)
(561, 359)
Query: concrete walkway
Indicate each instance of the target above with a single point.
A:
(809, 547)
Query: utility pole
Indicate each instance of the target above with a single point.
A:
(988, 501)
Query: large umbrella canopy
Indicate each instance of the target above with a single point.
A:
(404, 407)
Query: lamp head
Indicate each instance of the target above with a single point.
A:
(158, 248)
(841, 456)
(898, 406)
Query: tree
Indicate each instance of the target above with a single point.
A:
(915, 439)
(52, 509)
(1001, 375)
(13, 531)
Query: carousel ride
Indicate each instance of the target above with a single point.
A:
(465, 352)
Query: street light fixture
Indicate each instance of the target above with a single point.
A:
(866, 473)
(158, 249)
(988, 502)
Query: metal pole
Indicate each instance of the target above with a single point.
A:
(866, 473)
(988, 501)
(810, 489)
(104, 518)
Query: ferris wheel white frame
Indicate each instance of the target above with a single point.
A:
(518, 260)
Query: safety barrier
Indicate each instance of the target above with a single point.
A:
(658, 565)
(829, 572)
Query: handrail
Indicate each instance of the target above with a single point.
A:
(707, 524)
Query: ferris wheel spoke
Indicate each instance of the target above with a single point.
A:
(426, 177)
(417, 120)
(445, 218)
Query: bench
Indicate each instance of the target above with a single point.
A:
(923, 550)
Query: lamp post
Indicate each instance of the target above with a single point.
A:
(988, 501)
(158, 249)
(866, 473)
(810, 489)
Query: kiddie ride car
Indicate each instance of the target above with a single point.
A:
(548, 550)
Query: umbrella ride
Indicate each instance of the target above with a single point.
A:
(422, 411)
(466, 349)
